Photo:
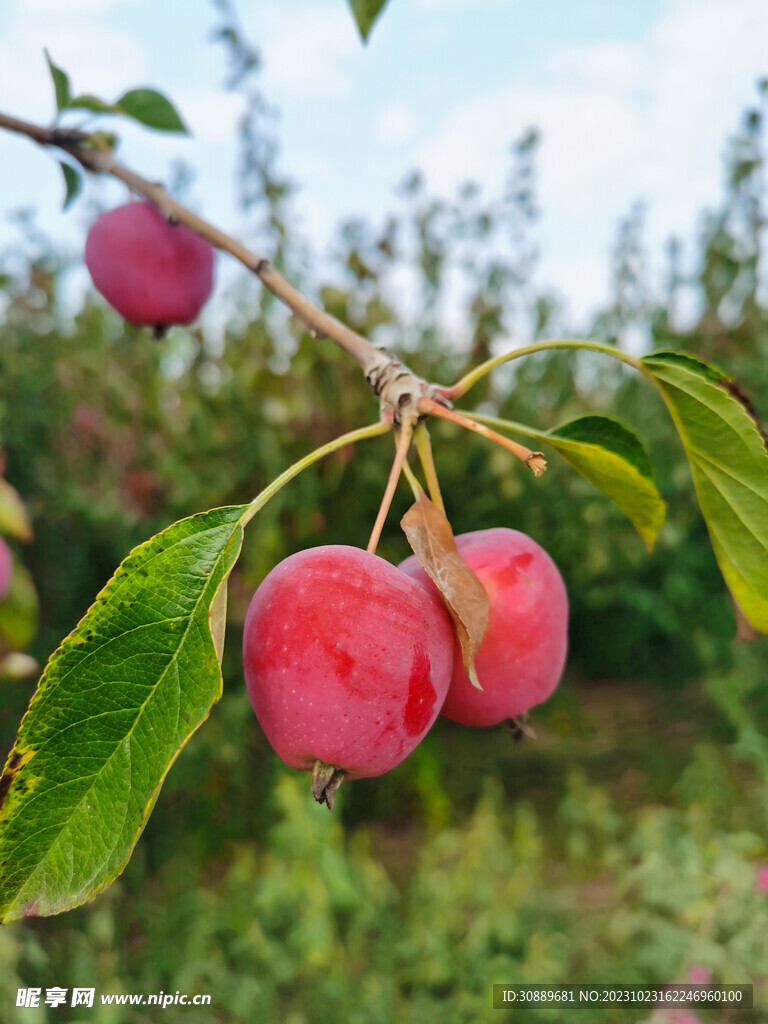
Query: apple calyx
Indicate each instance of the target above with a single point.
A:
(326, 779)
(399, 389)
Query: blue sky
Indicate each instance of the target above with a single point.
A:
(617, 89)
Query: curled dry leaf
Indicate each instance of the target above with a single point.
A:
(429, 534)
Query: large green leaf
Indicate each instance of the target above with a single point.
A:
(726, 449)
(116, 703)
(366, 12)
(611, 457)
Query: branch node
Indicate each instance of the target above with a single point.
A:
(66, 137)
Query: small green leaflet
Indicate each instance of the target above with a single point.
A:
(60, 83)
(92, 103)
(613, 458)
(73, 183)
(115, 705)
(608, 454)
(152, 109)
(147, 106)
(365, 13)
(726, 449)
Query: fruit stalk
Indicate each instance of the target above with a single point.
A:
(403, 444)
(424, 448)
(535, 461)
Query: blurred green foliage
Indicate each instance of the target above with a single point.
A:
(622, 845)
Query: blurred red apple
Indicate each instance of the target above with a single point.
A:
(152, 272)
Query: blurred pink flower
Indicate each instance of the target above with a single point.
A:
(761, 879)
(700, 976)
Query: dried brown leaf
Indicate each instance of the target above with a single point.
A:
(429, 534)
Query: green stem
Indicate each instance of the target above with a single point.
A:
(510, 425)
(424, 449)
(410, 476)
(462, 386)
(361, 434)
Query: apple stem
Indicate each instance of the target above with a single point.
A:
(424, 448)
(535, 461)
(403, 443)
(326, 779)
(410, 476)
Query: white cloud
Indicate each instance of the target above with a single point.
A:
(306, 50)
(620, 121)
(71, 7)
(396, 125)
(444, 5)
(211, 116)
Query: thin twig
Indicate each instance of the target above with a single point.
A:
(82, 148)
(403, 444)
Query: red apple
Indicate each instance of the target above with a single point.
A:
(152, 272)
(522, 654)
(347, 661)
(6, 569)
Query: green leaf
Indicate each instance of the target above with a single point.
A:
(73, 184)
(365, 13)
(60, 83)
(152, 109)
(93, 103)
(115, 705)
(611, 456)
(13, 516)
(726, 449)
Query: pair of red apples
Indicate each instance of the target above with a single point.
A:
(348, 659)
